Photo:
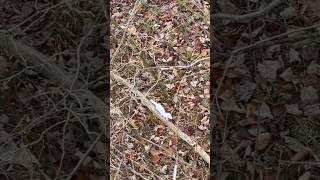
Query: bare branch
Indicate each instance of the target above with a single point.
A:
(198, 149)
(247, 17)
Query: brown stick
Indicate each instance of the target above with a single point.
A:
(198, 149)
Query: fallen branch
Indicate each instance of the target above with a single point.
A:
(246, 17)
(198, 149)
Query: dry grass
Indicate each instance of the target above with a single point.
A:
(160, 41)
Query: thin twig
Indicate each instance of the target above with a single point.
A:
(186, 66)
(78, 58)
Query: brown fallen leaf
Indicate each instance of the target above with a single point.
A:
(231, 105)
(314, 68)
(309, 95)
(132, 30)
(263, 140)
(254, 131)
(294, 144)
(244, 90)
(248, 121)
(155, 156)
(197, 43)
(313, 110)
(268, 70)
(293, 109)
(288, 76)
(294, 56)
(310, 52)
(289, 12)
(265, 112)
(159, 128)
(300, 155)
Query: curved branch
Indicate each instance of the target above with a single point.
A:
(247, 17)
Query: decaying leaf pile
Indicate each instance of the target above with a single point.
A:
(161, 48)
(49, 129)
(267, 106)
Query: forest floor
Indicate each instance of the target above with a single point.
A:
(161, 48)
(53, 61)
(266, 96)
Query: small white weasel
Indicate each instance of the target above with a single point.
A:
(161, 110)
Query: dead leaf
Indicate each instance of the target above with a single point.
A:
(169, 86)
(202, 127)
(132, 30)
(300, 155)
(309, 95)
(248, 121)
(197, 44)
(288, 76)
(226, 95)
(164, 169)
(265, 112)
(288, 12)
(251, 109)
(167, 17)
(313, 110)
(293, 109)
(270, 51)
(268, 70)
(4, 119)
(294, 56)
(205, 53)
(294, 144)
(230, 105)
(194, 83)
(155, 156)
(159, 128)
(237, 72)
(244, 90)
(254, 131)
(263, 140)
(310, 52)
(314, 68)
(237, 68)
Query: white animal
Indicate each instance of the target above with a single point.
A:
(161, 110)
